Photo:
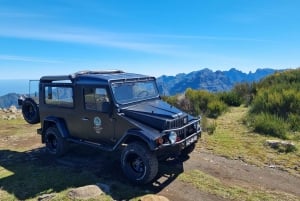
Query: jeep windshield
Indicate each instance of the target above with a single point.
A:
(134, 91)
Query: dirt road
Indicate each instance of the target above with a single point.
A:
(232, 172)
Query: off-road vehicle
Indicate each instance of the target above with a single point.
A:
(111, 110)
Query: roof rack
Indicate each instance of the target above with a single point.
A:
(75, 75)
(88, 72)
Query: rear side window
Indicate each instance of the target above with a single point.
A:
(59, 96)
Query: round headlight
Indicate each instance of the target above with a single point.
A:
(172, 137)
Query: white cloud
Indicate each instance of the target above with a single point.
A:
(5, 57)
(86, 36)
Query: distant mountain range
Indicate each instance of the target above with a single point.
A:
(209, 80)
(204, 79)
(8, 100)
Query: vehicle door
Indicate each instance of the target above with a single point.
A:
(97, 123)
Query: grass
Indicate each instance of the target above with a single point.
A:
(27, 180)
(214, 186)
(26, 172)
(22, 177)
(234, 140)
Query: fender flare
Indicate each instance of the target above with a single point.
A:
(59, 123)
(136, 135)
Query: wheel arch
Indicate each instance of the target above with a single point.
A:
(58, 123)
(136, 135)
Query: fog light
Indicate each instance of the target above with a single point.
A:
(197, 126)
(185, 120)
(160, 141)
(172, 137)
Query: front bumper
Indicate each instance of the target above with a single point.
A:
(186, 137)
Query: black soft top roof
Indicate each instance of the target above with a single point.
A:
(109, 75)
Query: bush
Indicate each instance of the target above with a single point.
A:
(231, 98)
(172, 100)
(216, 108)
(211, 128)
(246, 92)
(268, 124)
(199, 100)
(208, 126)
(294, 122)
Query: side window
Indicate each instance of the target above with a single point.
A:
(94, 97)
(59, 96)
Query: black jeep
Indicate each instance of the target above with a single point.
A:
(111, 110)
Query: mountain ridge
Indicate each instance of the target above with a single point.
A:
(206, 79)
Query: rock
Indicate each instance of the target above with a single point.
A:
(273, 143)
(11, 117)
(13, 109)
(151, 197)
(85, 192)
(281, 145)
(46, 197)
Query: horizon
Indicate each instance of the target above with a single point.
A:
(21, 86)
(37, 78)
(154, 38)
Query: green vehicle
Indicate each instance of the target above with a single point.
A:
(111, 110)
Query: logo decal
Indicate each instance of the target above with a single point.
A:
(97, 125)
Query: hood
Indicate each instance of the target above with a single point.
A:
(153, 113)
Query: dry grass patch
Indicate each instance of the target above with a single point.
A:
(235, 140)
(207, 183)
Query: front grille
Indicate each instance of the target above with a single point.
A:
(178, 123)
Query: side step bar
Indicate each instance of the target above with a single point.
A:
(91, 144)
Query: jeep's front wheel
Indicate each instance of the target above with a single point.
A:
(138, 163)
(55, 144)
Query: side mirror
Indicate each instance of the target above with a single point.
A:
(106, 107)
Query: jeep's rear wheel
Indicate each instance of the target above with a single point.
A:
(30, 111)
(138, 163)
(55, 144)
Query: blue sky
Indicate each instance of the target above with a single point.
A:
(155, 37)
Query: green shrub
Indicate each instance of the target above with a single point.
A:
(245, 91)
(281, 102)
(199, 100)
(172, 100)
(215, 108)
(231, 98)
(211, 128)
(204, 123)
(268, 124)
(294, 122)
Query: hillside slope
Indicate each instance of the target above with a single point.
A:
(8, 100)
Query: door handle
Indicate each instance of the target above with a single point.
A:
(84, 119)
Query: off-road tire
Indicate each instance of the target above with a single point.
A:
(30, 111)
(55, 144)
(138, 163)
